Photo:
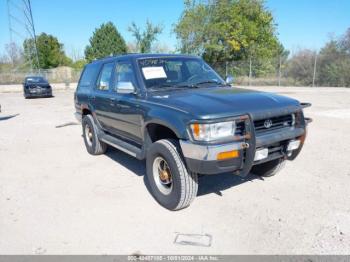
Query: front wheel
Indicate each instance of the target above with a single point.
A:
(270, 168)
(170, 183)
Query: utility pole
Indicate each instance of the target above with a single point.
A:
(9, 18)
(315, 65)
(34, 34)
(250, 70)
(279, 71)
(10, 30)
(29, 15)
(21, 24)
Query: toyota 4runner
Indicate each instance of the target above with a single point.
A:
(176, 112)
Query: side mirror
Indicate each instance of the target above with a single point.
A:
(125, 88)
(229, 79)
(103, 86)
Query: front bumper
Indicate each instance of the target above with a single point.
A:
(202, 158)
(38, 93)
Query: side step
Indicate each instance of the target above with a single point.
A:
(122, 146)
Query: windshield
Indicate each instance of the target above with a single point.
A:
(177, 72)
(36, 79)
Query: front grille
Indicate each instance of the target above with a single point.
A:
(273, 123)
(240, 129)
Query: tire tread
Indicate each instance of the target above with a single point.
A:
(269, 169)
(189, 180)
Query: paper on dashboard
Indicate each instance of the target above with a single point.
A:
(154, 72)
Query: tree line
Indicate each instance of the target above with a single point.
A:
(234, 36)
(105, 41)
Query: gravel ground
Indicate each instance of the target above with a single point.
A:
(55, 198)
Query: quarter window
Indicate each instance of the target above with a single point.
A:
(105, 77)
(88, 76)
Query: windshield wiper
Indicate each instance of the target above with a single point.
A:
(195, 85)
(163, 87)
(208, 82)
(198, 85)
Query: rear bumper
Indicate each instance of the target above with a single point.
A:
(202, 158)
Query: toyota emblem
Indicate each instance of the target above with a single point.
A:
(268, 123)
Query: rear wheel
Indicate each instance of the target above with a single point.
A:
(93, 145)
(270, 168)
(170, 183)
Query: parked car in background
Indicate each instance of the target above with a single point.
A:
(176, 112)
(36, 86)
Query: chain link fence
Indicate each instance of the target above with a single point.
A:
(62, 74)
(303, 70)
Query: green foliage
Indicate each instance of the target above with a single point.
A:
(332, 68)
(50, 52)
(145, 39)
(228, 30)
(192, 27)
(105, 41)
(334, 62)
(301, 66)
(79, 64)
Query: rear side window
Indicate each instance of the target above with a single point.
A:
(88, 76)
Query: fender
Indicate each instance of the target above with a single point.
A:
(89, 107)
(177, 122)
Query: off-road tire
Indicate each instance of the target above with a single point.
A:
(185, 183)
(97, 147)
(270, 168)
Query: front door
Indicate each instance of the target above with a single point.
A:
(125, 111)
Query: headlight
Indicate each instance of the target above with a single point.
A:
(214, 131)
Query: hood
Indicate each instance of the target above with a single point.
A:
(209, 103)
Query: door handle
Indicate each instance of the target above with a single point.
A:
(112, 101)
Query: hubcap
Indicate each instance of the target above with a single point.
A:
(162, 175)
(88, 135)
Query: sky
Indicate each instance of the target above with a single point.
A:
(300, 23)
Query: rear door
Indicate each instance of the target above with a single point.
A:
(102, 98)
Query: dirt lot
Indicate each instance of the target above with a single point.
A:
(55, 198)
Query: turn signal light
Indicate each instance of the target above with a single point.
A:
(196, 130)
(228, 154)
